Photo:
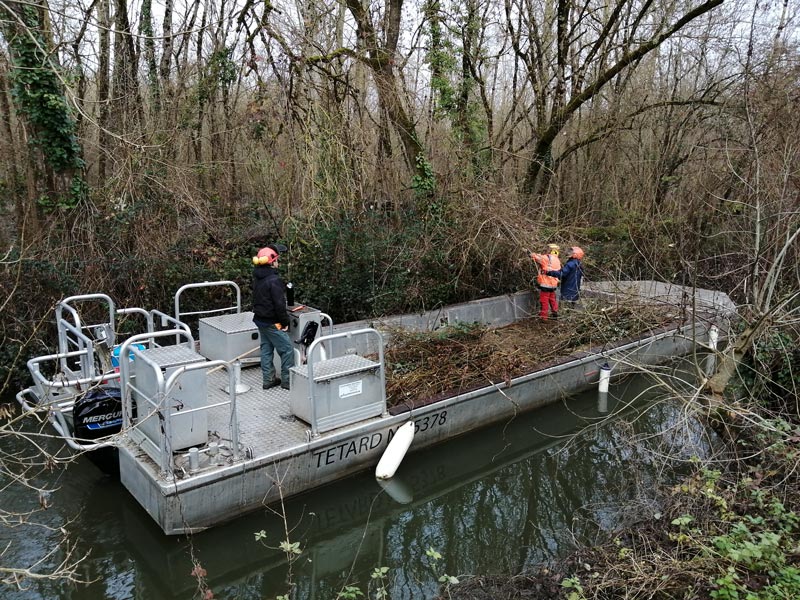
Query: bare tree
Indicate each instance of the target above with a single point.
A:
(571, 50)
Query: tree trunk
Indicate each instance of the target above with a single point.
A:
(381, 62)
(732, 358)
(25, 209)
(539, 169)
(126, 101)
(146, 30)
(104, 22)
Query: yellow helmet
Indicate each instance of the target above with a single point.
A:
(553, 248)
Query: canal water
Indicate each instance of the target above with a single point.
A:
(498, 501)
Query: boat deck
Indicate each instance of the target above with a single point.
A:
(266, 422)
(267, 428)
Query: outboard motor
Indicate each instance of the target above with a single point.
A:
(99, 414)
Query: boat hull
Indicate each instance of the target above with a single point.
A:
(205, 500)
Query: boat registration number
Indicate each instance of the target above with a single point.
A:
(351, 448)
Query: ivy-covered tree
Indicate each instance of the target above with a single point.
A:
(38, 93)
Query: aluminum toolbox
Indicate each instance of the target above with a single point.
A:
(347, 390)
(190, 392)
(227, 337)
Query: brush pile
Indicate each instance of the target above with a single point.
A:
(421, 366)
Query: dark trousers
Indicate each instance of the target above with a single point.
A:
(274, 340)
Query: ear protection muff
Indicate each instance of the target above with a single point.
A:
(265, 256)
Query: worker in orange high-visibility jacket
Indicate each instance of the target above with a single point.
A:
(547, 284)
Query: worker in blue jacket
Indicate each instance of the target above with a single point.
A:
(571, 275)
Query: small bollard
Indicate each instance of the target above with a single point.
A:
(194, 459)
(240, 387)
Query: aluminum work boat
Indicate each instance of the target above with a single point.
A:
(176, 405)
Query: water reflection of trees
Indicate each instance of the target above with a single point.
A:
(531, 511)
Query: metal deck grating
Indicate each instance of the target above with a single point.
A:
(336, 367)
(233, 323)
(266, 423)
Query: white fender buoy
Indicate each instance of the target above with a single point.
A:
(605, 378)
(713, 337)
(398, 490)
(395, 451)
(602, 403)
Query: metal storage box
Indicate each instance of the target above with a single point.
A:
(191, 392)
(227, 337)
(347, 390)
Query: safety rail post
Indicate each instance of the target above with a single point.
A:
(326, 316)
(63, 340)
(148, 318)
(66, 304)
(311, 383)
(86, 347)
(163, 388)
(175, 377)
(234, 420)
(188, 286)
(168, 319)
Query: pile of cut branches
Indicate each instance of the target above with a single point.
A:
(420, 366)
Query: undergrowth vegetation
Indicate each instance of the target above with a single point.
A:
(729, 531)
(349, 265)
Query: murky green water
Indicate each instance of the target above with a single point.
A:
(497, 501)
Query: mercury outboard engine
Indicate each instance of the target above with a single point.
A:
(99, 414)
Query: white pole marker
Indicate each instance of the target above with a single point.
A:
(605, 378)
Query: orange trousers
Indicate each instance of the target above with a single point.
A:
(548, 301)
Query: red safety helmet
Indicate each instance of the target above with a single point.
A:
(265, 256)
(576, 252)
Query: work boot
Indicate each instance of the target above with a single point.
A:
(271, 384)
(555, 315)
(285, 385)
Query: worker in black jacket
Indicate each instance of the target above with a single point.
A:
(271, 317)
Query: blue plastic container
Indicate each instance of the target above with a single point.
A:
(115, 355)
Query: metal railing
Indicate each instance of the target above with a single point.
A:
(319, 343)
(157, 405)
(45, 386)
(189, 286)
(66, 305)
(73, 343)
